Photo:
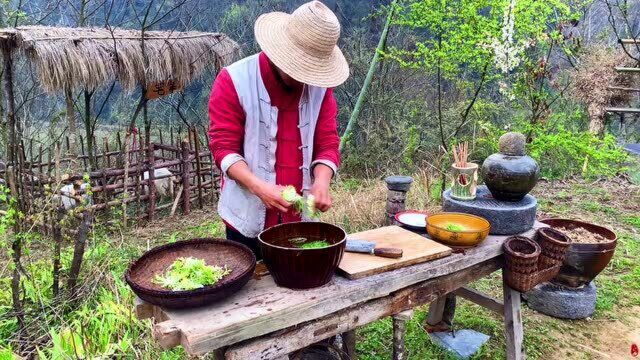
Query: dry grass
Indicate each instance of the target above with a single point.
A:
(91, 57)
(362, 206)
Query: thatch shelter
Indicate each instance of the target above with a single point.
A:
(67, 58)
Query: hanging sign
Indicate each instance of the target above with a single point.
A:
(162, 88)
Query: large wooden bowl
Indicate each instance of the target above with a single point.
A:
(475, 230)
(297, 268)
(237, 257)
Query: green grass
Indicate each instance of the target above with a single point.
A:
(104, 315)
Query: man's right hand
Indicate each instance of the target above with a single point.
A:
(271, 196)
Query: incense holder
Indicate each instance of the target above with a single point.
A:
(464, 181)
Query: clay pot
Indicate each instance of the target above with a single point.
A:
(583, 262)
(510, 178)
(297, 268)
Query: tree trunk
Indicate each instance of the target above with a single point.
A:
(597, 119)
(78, 252)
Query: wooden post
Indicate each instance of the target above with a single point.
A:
(397, 186)
(84, 160)
(349, 344)
(399, 331)
(196, 142)
(186, 171)
(40, 164)
(151, 185)
(139, 172)
(119, 140)
(513, 328)
(106, 156)
(72, 147)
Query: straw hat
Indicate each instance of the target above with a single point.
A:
(303, 44)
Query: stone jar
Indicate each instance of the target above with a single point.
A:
(510, 174)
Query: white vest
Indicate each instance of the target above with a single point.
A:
(237, 206)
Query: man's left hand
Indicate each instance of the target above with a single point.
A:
(320, 189)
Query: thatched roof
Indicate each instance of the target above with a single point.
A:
(92, 57)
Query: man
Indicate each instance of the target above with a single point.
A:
(273, 120)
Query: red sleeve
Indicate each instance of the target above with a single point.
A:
(326, 140)
(226, 119)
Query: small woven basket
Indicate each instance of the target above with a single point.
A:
(521, 254)
(554, 245)
(526, 282)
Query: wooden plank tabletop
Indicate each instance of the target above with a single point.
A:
(261, 307)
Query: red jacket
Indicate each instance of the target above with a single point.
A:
(226, 129)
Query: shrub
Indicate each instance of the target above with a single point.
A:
(565, 153)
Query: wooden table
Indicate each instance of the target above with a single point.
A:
(263, 321)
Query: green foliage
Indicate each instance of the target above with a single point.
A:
(565, 153)
(189, 274)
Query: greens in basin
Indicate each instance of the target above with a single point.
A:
(187, 273)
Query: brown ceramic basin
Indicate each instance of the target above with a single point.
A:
(583, 262)
(298, 268)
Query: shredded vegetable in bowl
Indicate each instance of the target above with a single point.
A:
(190, 273)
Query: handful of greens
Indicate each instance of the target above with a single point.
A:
(306, 206)
(190, 273)
(454, 227)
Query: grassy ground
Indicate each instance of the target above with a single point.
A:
(103, 324)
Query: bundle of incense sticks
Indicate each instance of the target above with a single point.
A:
(460, 154)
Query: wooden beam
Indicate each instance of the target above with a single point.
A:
(622, 88)
(481, 299)
(627, 69)
(623, 110)
(281, 343)
(629, 41)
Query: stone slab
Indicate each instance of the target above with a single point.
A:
(562, 302)
(399, 182)
(462, 343)
(506, 218)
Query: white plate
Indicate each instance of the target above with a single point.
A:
(413, 219)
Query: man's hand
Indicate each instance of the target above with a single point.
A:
(271, 196)
(320, 188)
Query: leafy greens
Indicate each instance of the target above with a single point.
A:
(190, 273)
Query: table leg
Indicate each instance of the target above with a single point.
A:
(441, 313)
(399, 331)
(512, 322)
(349, 344)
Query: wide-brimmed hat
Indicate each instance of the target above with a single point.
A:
(304, 44)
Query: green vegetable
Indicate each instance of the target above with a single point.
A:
(190, 273)
(454, 227)
(318, 244)
(306, 206)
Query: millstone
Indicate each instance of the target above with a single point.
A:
(506, 218)
(561, 301)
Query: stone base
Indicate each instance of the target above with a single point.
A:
(462, 343)
(562, 302)
(506, 218)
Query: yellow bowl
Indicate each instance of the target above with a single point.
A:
(475, 230)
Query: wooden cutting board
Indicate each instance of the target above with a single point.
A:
(416, 249)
